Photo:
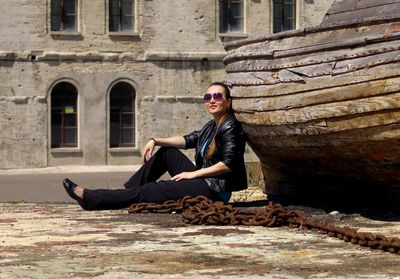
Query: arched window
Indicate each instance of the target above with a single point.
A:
(122, 115)
(64, 128)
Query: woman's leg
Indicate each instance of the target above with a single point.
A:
(100, 199)
(157, 192)
(169, 160)
(166, 159)
(164, 190)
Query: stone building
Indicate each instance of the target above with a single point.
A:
(86, 82)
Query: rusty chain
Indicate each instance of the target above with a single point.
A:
(202, 211)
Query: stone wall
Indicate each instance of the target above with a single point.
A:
(174, 54)
(25, 103)
(23, 132)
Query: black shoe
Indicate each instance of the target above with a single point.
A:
(70, 187)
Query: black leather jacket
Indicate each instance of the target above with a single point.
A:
(230, 141)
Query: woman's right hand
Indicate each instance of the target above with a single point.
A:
(147, 150)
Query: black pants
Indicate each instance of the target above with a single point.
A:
(144, 187)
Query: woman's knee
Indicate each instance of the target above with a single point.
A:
(169, 152)
(166, 149)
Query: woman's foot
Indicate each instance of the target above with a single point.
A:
(74, 191)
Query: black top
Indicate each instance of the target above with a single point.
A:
(230, 146)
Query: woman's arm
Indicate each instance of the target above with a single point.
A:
(214, 170)
(147, 151)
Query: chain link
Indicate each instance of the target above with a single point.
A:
(202, 211)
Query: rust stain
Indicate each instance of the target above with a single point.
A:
(393, 28)
(378, 156)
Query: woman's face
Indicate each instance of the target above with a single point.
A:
(215, 100)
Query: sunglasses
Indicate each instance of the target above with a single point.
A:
(216, 96)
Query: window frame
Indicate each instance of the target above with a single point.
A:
(236, 34)
(136, 22)
(133, 145)
(76, 31)
(64, 146)
(293, 20)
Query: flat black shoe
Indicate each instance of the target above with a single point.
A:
(70, 187)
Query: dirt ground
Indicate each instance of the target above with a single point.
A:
(59, 240)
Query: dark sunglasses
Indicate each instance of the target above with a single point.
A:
(216, 96)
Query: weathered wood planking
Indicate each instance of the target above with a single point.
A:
(375, 148)
(298, 73)
(324, 111)
(368, 40)
(371, 12)
(372, 3)
(326, 126)
(321, 106)
(316, 41)
(324, 96)
(337, 141)
(350, 5)
(365, 162)
(386, 71)
(274, 63)
(348, 10)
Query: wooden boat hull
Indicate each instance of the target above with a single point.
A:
(321, 106)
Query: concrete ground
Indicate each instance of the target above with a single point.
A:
(44, 235)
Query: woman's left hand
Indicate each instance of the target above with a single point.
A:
(184, 175)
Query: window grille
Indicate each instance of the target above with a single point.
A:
(63, 15)
(121, 15)
(284, 15)
(231, 16)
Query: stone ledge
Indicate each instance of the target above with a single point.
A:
(23, 99)
(182, 99)
(123, 150)
(15, 99)
(160, 55)
(36, 56)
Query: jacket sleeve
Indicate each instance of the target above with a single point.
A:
(233, 146)
(191, 139)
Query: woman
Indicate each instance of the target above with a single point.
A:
(218, 170)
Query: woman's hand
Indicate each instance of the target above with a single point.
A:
(147, 150)
(184, 175)
(214, 170)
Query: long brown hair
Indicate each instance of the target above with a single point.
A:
(213, 145)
